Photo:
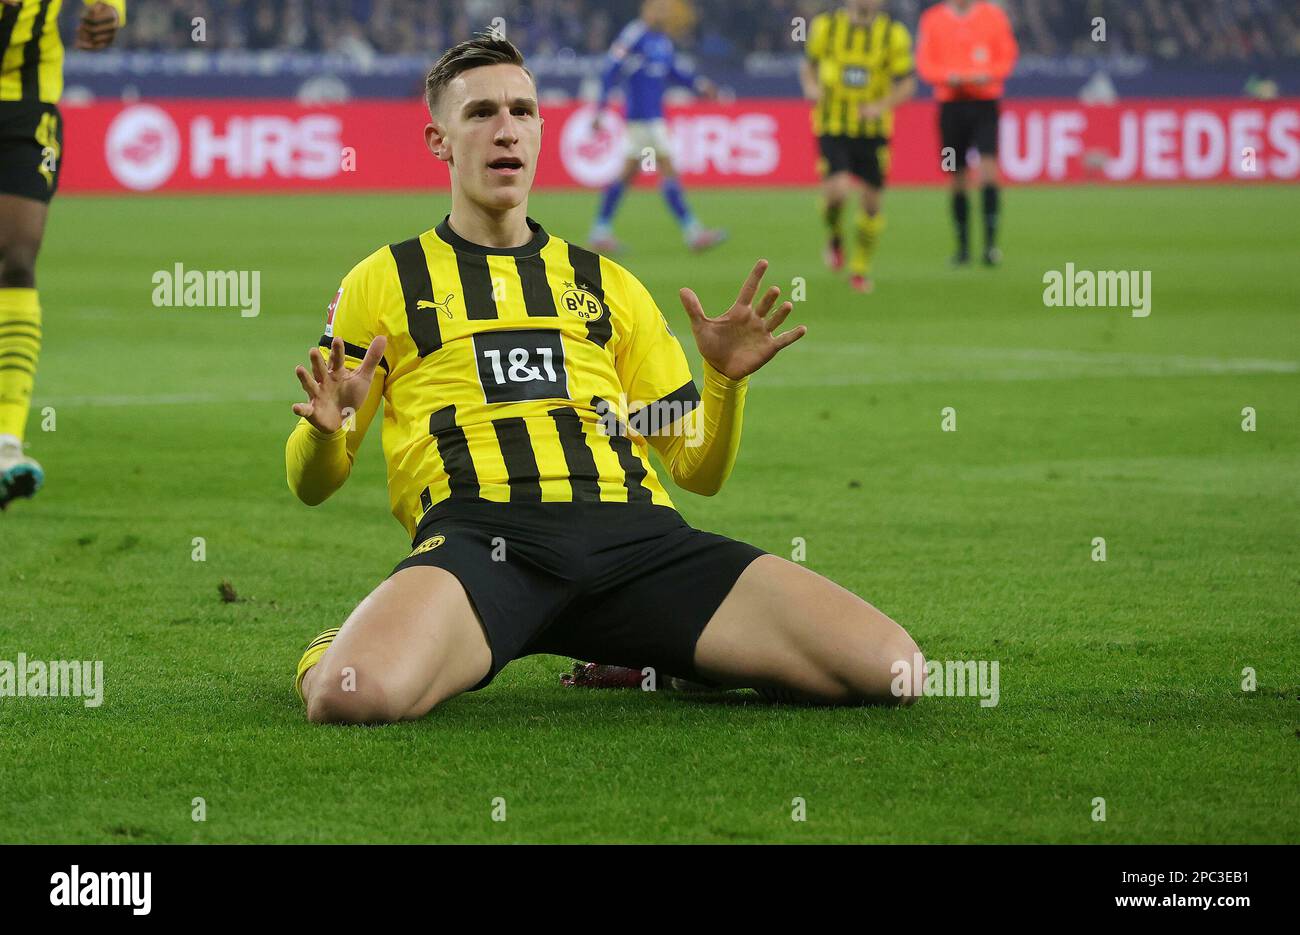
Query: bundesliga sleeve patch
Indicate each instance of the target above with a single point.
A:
(329, 317)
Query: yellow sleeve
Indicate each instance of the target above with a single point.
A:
(650, 363)
(316, 463)
(119, 5)
(817, 30)
(697, 437)
(900, 52)
(649, 360)
(700, 456)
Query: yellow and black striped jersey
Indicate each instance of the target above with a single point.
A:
(31, 52)
(856, 65)
(531, 373)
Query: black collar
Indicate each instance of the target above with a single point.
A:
(457, 242)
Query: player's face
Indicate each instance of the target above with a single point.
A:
(655, 13)
(489, 131)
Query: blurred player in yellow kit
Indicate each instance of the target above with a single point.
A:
(31, 154)
(858, 68)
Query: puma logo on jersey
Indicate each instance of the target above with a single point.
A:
(441, 307)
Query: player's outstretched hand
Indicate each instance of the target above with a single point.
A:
(334, 391)
(99, 25)
(743, 338)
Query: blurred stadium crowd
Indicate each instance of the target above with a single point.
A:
(1210, 31)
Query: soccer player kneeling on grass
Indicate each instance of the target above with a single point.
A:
(522, 380)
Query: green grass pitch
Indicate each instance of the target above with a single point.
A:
(1120, 680)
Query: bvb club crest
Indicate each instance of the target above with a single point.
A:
(578, 301)
(428, 545)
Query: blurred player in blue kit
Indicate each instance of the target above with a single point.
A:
(643, 59)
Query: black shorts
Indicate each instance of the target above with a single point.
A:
(31, 149)
(867, 157)
(628, 584)
(966, 124)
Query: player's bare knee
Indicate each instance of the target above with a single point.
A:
(882, 673)
(18, 267)
(340, 698)
(905, 668)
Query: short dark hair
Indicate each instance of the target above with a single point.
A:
(487, 48)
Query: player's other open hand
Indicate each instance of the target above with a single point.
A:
(333, 391)
(99, 26)
(743, 338)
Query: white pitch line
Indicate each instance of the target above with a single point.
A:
(1005, 376)
(161, 399)
(1108, 366)
(1077, 365)
(1064, 355)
